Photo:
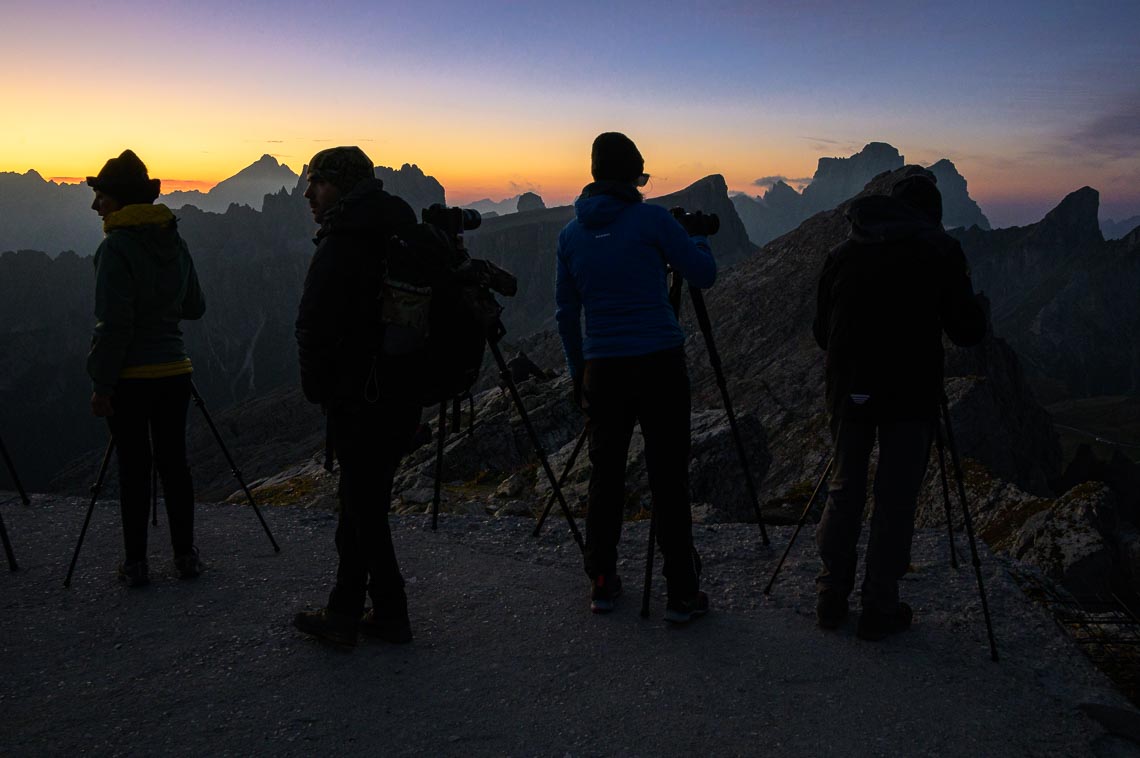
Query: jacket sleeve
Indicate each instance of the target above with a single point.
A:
(691, 256)
(568, 313)
(821, 326)
(194, 302)
(317, 326)
(114, 317)
(963, 318)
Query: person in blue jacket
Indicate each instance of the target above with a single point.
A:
(630, 365)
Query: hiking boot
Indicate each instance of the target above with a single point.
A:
(678, 611)
(391, 626)
(328, 626)
(134, 573)
(603, 592)
(189, 565)
(875, 625)
(831, 609)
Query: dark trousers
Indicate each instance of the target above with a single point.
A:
(652, 390)
(150, 414)
(904, 449)
(369, 444)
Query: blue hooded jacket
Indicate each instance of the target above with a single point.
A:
(611, 263)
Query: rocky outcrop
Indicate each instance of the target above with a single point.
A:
(248, 187)
(1064, 298)
(529, 201)
(781, 209)
(418, 189)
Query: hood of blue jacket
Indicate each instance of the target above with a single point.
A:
(602, 202)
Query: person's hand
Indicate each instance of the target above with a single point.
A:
(101, 405)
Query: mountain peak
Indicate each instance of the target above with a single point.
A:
(1076, 216)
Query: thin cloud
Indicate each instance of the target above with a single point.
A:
(521, 187)
(1115, 134)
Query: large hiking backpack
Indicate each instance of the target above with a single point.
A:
(438, 310)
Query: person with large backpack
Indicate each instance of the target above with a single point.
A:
(886, 295)
(630, 365)
(370, 399)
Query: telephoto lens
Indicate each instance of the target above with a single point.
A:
(697, 223)
(451, 220)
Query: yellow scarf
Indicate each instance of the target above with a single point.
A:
(142, 214)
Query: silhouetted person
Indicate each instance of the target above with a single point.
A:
(145, 284)
(886, 295)
(370, 400)
(630, 366)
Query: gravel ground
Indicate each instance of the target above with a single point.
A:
(507, 659)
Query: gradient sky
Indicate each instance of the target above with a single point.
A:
(1031, 100)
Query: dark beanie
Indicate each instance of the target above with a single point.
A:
(921, 193)
(125, 178)
(614, 157)
(342, 167)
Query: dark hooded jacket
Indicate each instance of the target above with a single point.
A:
(338, 317)
(886, 295)
(145, 283)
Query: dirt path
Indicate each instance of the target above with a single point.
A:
(507, 659)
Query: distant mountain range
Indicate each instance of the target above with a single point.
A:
(782, 208)
(265, 176)
(527, 201)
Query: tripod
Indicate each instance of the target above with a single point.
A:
(944, 438)
(98, 485)
(494, 335)
(12, 565)
(697, 297)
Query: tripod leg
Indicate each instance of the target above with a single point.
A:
(153, 490)
(8, 547)
(648, 587)
(98, 485)
(233, 466)
(506, 376)
(941, 444)
(12, 470)
(714, 359)
(800, 524)
(969, 527)
(562, 479)
(439, 463)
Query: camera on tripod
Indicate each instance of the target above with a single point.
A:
(697, 223)
(453, 221)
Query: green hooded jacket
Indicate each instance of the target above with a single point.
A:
(145, 283)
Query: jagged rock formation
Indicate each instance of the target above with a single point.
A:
(248, 187)
(1064, 298)
(525, 245)
(36, 214)
(529, 201)
(1114, 230)
(418, 189)
(782, 209)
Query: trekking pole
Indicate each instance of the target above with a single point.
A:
(153, 491)
(718, 369)
(439, 463)
(233, 466)
(648, 586)
(941, 444)
(506, 377)
(12, 470)
(562, 479)
(969, 525)
(98, 485)
(8, 547)
(800, 524)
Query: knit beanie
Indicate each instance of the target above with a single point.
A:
(614, 157)
(126, 180)
(342, 167)
(920, 192)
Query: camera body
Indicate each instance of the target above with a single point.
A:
(697, 223)
(453, 221)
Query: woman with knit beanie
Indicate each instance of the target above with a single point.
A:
(145, 284)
